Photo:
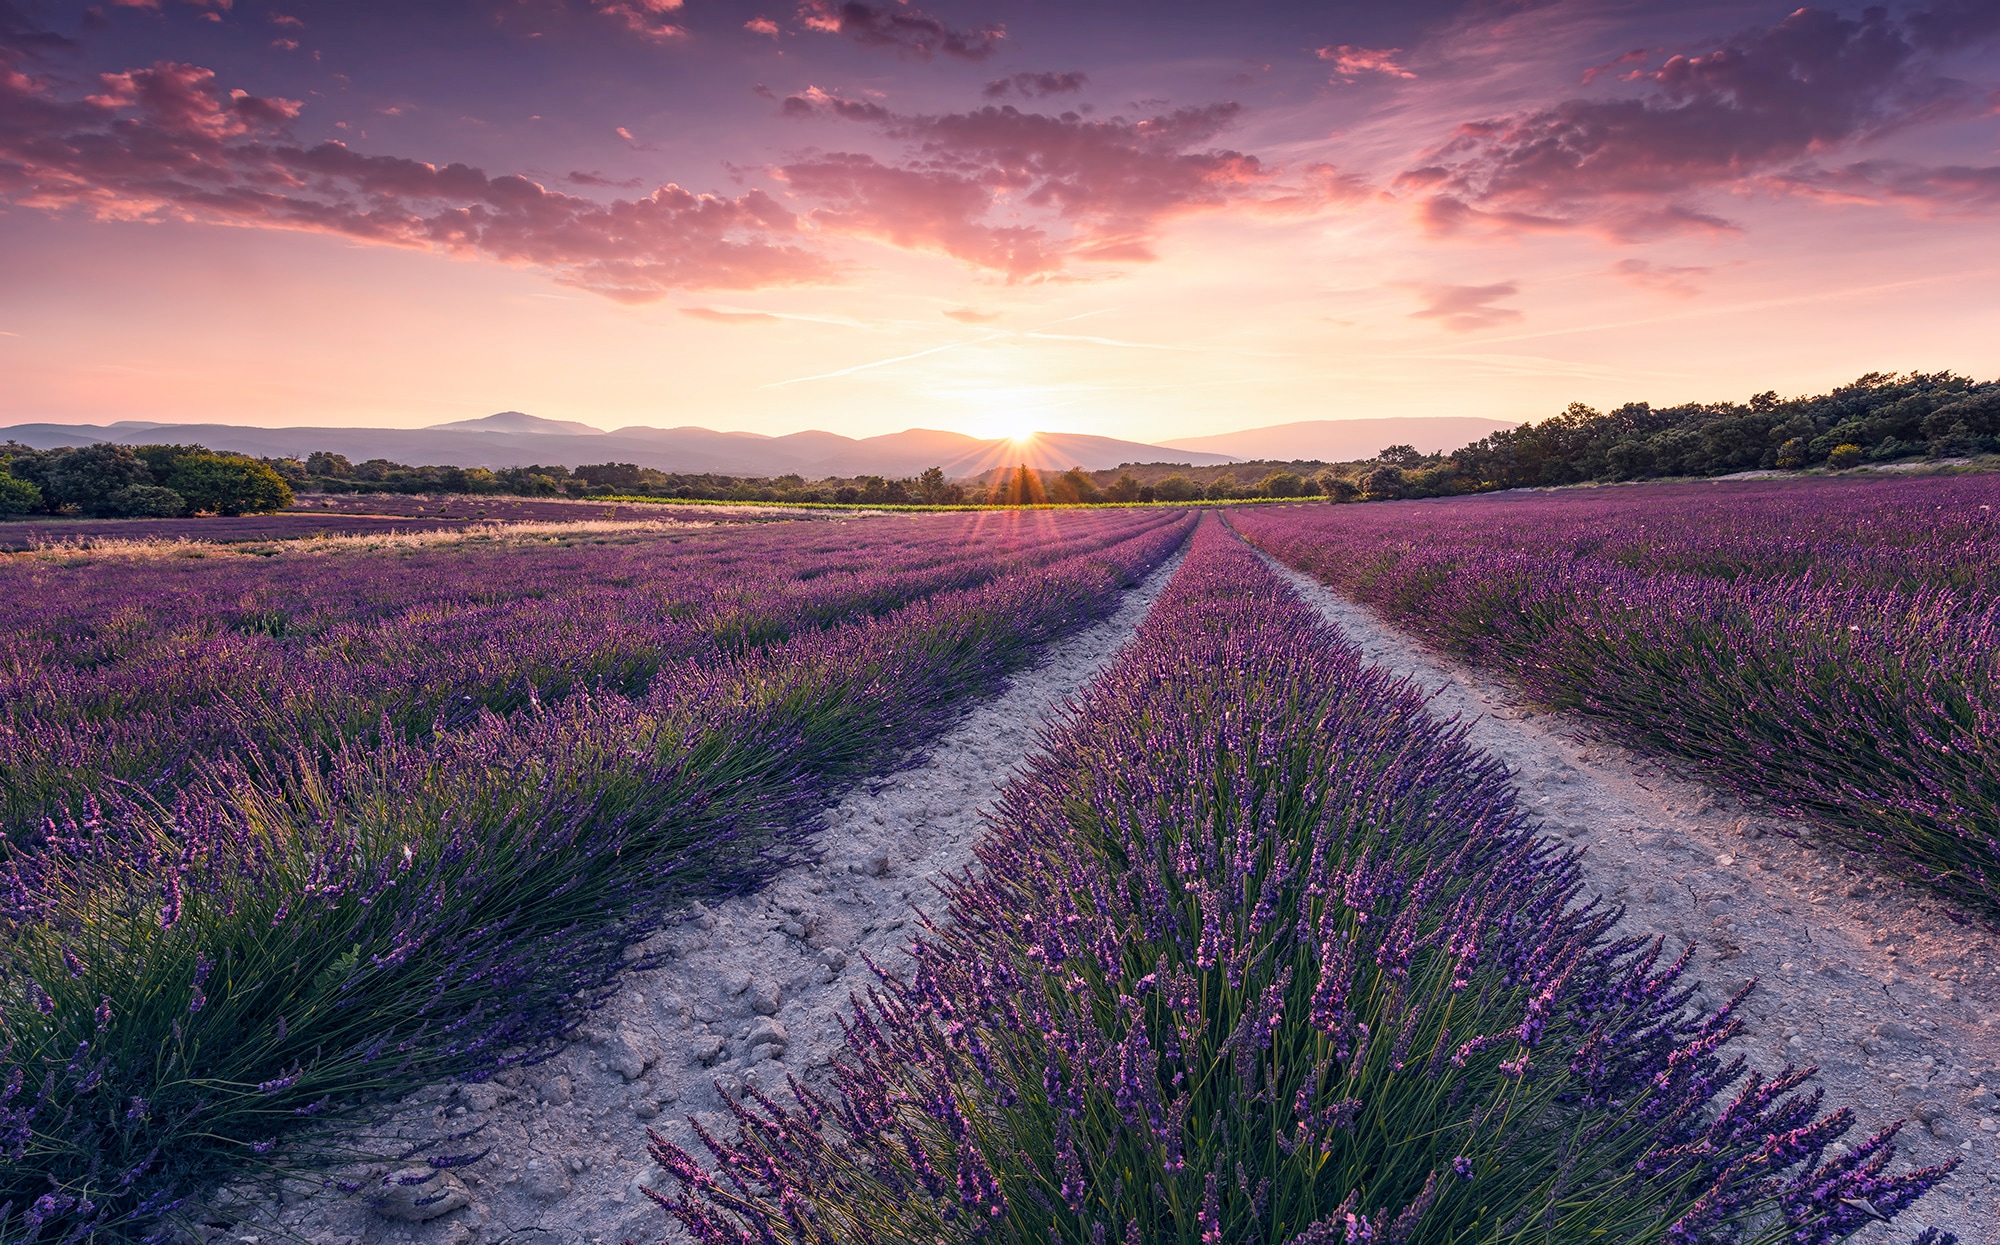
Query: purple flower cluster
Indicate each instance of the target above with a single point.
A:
(144, 671)
(286, 940)
(1258, 950)
(1830, 650)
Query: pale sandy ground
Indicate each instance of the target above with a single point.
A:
(1872, 980)
(752, 991)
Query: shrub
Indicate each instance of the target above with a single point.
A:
(143, 501)
(1383, 483)
(87, 478)
(1844, 455)
(1284, 484)
(1339, 488)
(18, 496)
(227, 484)
(1262, 952)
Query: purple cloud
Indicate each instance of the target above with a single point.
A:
(902, 27)
(1764, 100)
(1112, 183)
(167, 142)
(1036, 85)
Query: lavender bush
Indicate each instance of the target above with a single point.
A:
(1830, 651)
(1257, 950)
(197, 985)
(143, 670)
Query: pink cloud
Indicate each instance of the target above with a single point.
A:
(762, 26)
(646, 18)
(900, 26)
(1677, 280)
(1076, 188)
(971, 315)
(813, 102)
(167, 143)
(1762, 101)
(1947, 190)
(1350, 63)
(1110, 183)
(713, 316)
(1634, 57)
(1463, 308)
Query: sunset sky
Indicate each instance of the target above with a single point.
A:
(1143, 220)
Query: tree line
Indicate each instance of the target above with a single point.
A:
(131, 482)
(1879, 418)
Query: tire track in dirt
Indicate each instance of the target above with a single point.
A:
(1865, 976)
(751, 989)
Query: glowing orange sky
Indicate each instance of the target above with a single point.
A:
(1285, 213)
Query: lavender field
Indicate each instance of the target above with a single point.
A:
(1261, 951)
(1255, 946)
(287, 835)
(1826, 648)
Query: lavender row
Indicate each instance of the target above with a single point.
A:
(207, 985)
(1257, 950)
(142, 670)
(1873, 709)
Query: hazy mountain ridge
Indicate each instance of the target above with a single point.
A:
(515, 439)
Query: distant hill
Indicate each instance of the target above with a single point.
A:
(512, 439)
(1343, 440)
(515, 421)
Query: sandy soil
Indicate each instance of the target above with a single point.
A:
(751, 991)
(1876, 982)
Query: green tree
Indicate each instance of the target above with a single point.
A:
(1177, 488)
(228, 484)
(18, 496)
(1284, 484)
(91, 477)
(1338, 488)
(1073, 488)
(1383, 482)
(1222, 487)
(930, 485)
(1125, 488)
(1021, 487)
(321, 463)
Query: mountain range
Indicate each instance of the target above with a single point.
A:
(514, 439)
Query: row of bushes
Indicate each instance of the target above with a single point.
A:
(332, 473)
(1879, 418)
(280, 945)
(146, 481)
(1261, 951)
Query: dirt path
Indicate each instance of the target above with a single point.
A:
(751, 992)
(1871, 980)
